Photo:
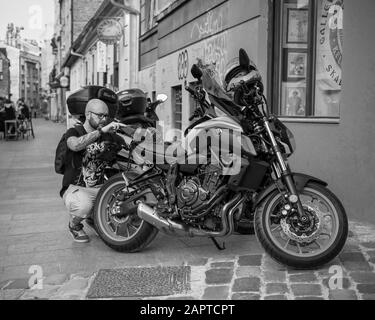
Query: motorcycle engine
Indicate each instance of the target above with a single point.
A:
(194, 192)
(191, 194)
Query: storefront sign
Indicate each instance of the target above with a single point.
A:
(331, 41)
(101, 54)
(64, 82)
(109, 31)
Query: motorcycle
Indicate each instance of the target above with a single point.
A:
(172, 189)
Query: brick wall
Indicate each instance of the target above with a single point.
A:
(83, 11)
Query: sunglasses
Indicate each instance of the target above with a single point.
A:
(101, 115)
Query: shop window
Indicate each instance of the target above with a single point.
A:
(308, 51)
(93, 69)
(116, 66)
(147, 19)
(177, 106)
(86, 73)
(164, 4)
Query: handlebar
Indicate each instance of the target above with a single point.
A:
(199, 96)
(191, 91)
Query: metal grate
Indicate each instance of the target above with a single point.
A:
(141, 282)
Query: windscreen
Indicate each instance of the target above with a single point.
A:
(217, 95)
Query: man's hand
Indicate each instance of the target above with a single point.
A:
(113, 127)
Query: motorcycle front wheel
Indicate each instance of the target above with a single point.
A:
(126, 232)
(308, 244)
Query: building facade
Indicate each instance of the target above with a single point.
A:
(25, 70)
(4, 74)
(71, 17)
(317, 65)
(94, 60)
(30, 76)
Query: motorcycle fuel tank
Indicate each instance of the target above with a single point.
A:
(223, 138)
(221, 130)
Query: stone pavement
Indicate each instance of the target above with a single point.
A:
(33, 233)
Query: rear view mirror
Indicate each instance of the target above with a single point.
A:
(196, 72)
(244, 59)
(162, 97)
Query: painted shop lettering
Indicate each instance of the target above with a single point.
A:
(331, 40)
(333, 74)
(209, 26)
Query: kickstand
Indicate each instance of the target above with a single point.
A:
(221, 248)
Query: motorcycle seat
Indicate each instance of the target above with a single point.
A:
(136, 119)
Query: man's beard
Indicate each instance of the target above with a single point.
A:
(94, 124)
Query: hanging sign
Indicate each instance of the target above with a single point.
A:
(64, 82)
(101, 53)
(109, 31)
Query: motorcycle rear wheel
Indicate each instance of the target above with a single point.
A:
(280, 239)
(138, 233)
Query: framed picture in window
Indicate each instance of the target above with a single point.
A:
(294, 99)
(296, 65)
(296, 26)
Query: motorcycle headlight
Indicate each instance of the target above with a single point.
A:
(286, 137)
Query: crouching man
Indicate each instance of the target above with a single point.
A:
(86, 159)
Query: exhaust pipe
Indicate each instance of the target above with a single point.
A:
(172, 228)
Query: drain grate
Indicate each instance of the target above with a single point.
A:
(141, 282)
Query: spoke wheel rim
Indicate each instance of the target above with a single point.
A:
(326, 236)
(116, 229)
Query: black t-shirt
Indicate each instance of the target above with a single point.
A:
(25, 111)
(86, 168)
(10, 113)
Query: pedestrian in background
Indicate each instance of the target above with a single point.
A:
(10, 114)
(2, 116)
(45, 108)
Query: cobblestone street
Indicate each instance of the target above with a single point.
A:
(33, 232)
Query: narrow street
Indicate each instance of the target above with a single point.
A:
(33, 232)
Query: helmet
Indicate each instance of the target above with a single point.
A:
(240, 71)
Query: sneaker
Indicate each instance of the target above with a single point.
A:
(90, 223)
(78, 234)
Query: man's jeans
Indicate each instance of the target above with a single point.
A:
(80, 201)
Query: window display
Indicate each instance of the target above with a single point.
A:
(329, 58)
(310, 53)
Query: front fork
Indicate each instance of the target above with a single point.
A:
(285, 173)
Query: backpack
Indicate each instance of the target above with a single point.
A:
(62, 149)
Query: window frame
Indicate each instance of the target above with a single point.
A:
(275, 64)
(177, 90)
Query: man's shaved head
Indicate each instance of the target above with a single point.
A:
(94, 110)
(97, 106)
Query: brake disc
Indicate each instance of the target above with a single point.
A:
(305, 236)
